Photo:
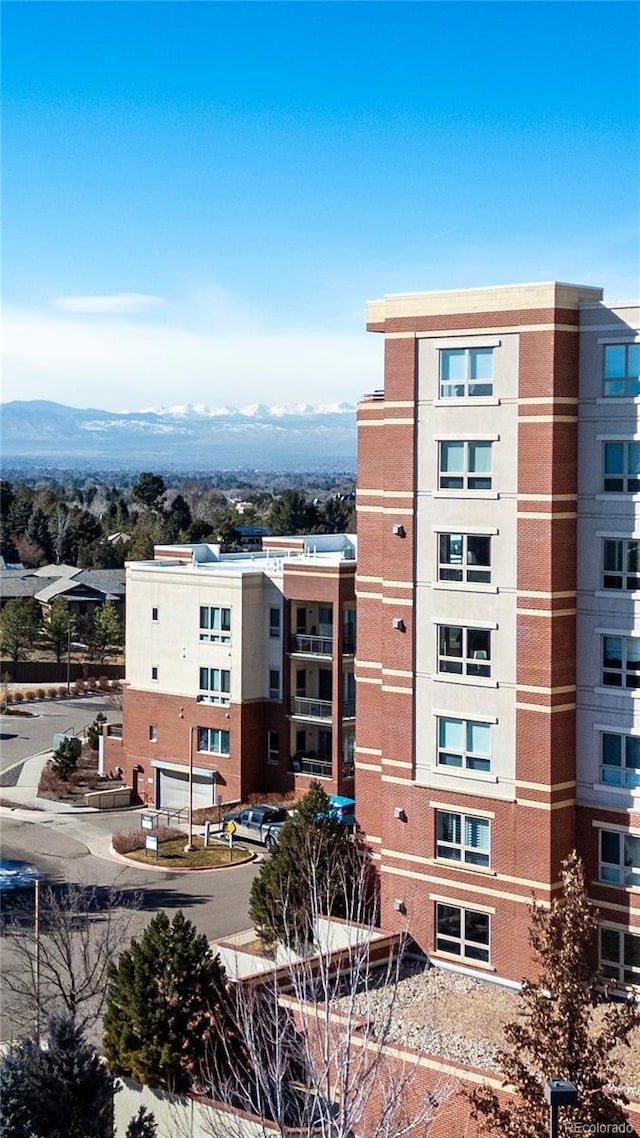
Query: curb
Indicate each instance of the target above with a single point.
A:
(251, 856)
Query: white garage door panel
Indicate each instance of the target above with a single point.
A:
(173, 790)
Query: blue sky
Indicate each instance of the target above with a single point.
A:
(199, 196)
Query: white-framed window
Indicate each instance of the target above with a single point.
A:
(622, 369)
(621, 467)
(215, 623)
(464, 557)
(213, 741)
(462, 932)
(621, 661)
(620, 756)
(463, 838)
(154, 673)
(620, 955)
(465, 465)
(215, 685)
(274, 622)
(154, 615)
(153, 733)
(619, 858)
(464, 651)
(274, 683)
(463, 744)
(273, 747)
(620, 563)
(466, 372)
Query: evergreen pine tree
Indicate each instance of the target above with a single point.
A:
(19, 621)
(142, 1125)
(168, 1010)
(106, 632)
(316, 867)
(61, 1090)
(555, 1036)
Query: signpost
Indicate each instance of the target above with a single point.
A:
(151, 843)
(230, 827)
(147, 821)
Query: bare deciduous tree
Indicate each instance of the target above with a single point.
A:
(58, 958)
(323, 1042)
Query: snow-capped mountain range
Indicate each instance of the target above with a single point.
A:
(189, 437)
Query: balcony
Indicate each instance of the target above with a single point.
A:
(303, 708)
(309, 763)
(312, 645)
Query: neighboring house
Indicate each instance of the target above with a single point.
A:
(242, 665)
(498, 669)
(84, 589)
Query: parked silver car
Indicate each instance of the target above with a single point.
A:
(258, 823)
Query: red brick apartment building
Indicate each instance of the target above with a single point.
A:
(241, 665)
(498, 580)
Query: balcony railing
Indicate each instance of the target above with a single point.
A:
(310, 764)
(312, 645)
(311, 708)
(348, 645)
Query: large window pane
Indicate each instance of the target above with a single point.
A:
(453, 458)
(481, 363)
(451, 734)
(479, 738)
(480, 458)
(452, 365)
(614, 361)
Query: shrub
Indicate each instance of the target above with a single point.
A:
(30, 694)
(102, 683)
(52, 693)
(62, 691)
(91, 683)
(134, 839)
(40, 693)
(50, 783)
(65, 758)
(17, 696)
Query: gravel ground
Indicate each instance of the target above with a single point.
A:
(459, 1018)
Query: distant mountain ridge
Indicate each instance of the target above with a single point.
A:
(184, 437)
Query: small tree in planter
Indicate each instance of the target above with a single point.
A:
(95, 731)
(65, 759)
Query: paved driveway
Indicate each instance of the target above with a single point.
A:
(23, 736)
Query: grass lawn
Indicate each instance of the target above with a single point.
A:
(171, 855)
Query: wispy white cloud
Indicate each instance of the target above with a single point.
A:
(132, 363)
(117, 304)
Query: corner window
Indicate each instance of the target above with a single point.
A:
(213, 741)
(273, 747)
(215, 624)
(620, 760)
(620, 564)
(462, 838)
(466, 372)
(464, 744)
(464, 651)
(622, 369)
(153, 733)
(274, 623)
(621, 661)
(462, 932)
(465, 466)
(465, 558)
(619, 858)
(620, 955)
(274, 683)
(621, 468)
(215, 685)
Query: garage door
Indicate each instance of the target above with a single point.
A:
(173, 790)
